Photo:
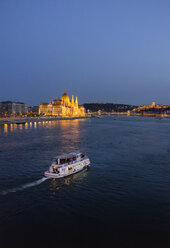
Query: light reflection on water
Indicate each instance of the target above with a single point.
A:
(5, 128)
(55, 185)
(11, 127)
(64, 125)
(26, 125)
(67, 132)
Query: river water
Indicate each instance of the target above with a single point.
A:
(123, 200)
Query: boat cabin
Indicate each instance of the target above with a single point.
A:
(69, 158)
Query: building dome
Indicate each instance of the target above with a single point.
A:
(65, 97)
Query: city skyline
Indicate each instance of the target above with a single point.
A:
(103, 51)
(58, 98)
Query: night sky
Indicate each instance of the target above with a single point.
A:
(102, 51)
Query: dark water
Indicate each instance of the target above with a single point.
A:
(122, 201)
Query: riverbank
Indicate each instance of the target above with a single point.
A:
(153, 115)
(144, 114)
(156, 115)
(22, 120)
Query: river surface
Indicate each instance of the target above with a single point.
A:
(123, 200)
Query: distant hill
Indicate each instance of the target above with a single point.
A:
(108, 107)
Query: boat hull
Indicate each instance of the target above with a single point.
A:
(59, 175)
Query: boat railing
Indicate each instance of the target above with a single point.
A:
(72, 162)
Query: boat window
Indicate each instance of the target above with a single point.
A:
(62, 161)
(55, 170)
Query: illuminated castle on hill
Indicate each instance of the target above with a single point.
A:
(62, 107)
(150, 107)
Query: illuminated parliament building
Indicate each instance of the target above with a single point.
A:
(62, 107)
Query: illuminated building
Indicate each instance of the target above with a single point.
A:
(154, 106)
(13, 107)
(62, 107)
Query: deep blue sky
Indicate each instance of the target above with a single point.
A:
(101, 50)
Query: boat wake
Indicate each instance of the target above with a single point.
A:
(24, 186)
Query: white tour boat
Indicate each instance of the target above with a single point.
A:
(67, 164)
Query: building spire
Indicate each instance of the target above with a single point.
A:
(76, 102)
(72, 101)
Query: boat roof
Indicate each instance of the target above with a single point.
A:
(71, 154)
